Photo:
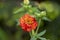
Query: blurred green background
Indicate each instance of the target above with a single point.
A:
(8, 25)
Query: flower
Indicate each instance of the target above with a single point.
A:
(28, 23)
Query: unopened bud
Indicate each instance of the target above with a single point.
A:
(26, 1)
(43, 13)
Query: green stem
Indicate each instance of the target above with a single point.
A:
(33, 33)
(38, 26)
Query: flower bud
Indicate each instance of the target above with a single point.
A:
(43, 13)
(26, 1)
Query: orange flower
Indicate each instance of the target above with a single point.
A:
(28, 23)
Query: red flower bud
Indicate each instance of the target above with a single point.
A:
(28, 23)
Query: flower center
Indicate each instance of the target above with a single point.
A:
(29, 22)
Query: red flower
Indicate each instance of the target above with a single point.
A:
(28, 23)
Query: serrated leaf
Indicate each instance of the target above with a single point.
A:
(41, 33)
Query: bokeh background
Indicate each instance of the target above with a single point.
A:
(8, 25)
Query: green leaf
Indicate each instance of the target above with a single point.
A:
(41, 33)
(19, 10)
(47, 19)
(42, 38)
(33, 38)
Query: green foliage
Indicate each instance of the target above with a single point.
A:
(52, 9)
(33, 38)
(42, 38)
(18, 35)
(41, 33)
(10, 22)
(19, 10)
(38, 36)
(3, 35)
